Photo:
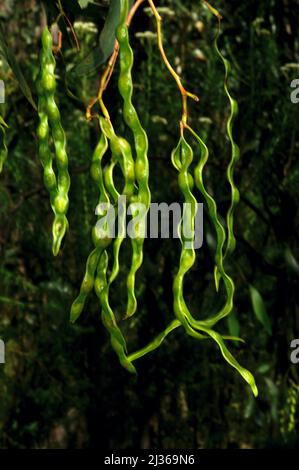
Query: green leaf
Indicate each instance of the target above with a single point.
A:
(259, 309)
(11, 60)
(103, 51)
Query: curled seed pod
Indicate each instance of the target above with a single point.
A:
(3, 144)
(50, 121)
(99, 256)
(61, 202)
(121, 217)
(101, 237)
(247, 376)
(183, 154)
(138, 211)
(93, 259)
(220, 235)
(121, 155)
(86, 286)
(109, 181)
(125, 85)
(116, 337)
(59, 228)
(235, 153)
(197, 329)
(121, 233)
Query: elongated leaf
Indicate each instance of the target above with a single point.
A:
(11, 60)
(259, 309)
(106, 43)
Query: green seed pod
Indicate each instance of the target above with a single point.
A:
(182, 158)
(99, 243)
(54, 115)
(220, 236)
(48, 83)
(50, 181)
(102, 290)
(121, 155)
(87, 284)
(61, 204)
(100, 240)
(60, 226)
(183, 154)
(50, 121)
(44, 152)
(47, 40)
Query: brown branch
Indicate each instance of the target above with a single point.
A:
(185, 94)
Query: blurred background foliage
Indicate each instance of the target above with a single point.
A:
(61, 385)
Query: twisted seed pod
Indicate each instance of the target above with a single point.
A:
(137, 247)
(3, 144)
(109, 181)
(102, 290)
(86, 286)
(97, 263)
(121, 218)
(94, 257)
(235, 154)
(61, 202)
(49, 119)
(122, 155)
(44, 151)
(125, 86)
(156, 342)
(182, 157)
(220, 235)
(247, 376)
